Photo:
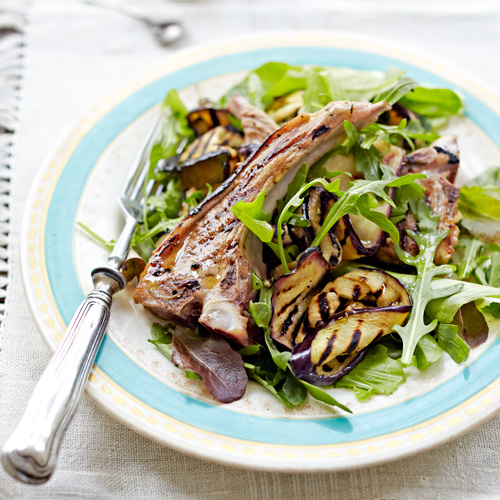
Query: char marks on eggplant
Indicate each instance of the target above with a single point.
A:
(343, 319)
(292, 294)
(204, 119)
(211, 158)
(203, 270)
(317, 207)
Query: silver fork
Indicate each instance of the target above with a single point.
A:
(30, 454)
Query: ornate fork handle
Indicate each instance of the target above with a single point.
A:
(31, 452)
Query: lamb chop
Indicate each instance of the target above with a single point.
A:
(440, 162)
(257, 124)
(202, 271)
(441, 157)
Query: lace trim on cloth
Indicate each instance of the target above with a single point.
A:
(12, 44)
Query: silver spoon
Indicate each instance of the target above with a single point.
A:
(165, 32)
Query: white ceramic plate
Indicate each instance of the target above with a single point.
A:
(133, 382)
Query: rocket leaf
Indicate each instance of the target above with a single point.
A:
(251, 213)
(480, 208)
(422, 289)
(449, 340)
(377, 373)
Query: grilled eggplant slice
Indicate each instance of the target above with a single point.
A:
(372, 286)
(357, 289)
(338, 367)
(318, 205)
(211, 158)
(286, 237)
(322, 307)
(204, 119)
(292, 294)
(302, 236)
(314, 209)
(374, 303)
(397, 114)
(346, 333)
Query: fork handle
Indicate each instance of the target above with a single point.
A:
(30, 454)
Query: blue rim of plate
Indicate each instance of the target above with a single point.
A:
(67, 293)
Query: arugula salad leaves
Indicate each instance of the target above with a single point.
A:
(421, 289)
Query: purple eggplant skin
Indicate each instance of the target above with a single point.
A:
(301, 360)
(351, 244)
(302, 368)
(292, 294)
(304, 236)
(403, 111)
(352, 290)
(330, 334)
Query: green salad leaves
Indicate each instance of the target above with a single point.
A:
(252, 215)
(161, 337)
(320, 85)
(175, 130)
(313, 87)
(377, 373)
(480, 208)
(422, 289)
(452, 343)
(432, 103)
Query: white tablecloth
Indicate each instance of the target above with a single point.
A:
(75, 55)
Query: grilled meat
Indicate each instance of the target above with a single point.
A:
(257, 124)
(441, 157)
(442, 197)
(386, 252)
(440, 162)
(203, 269)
